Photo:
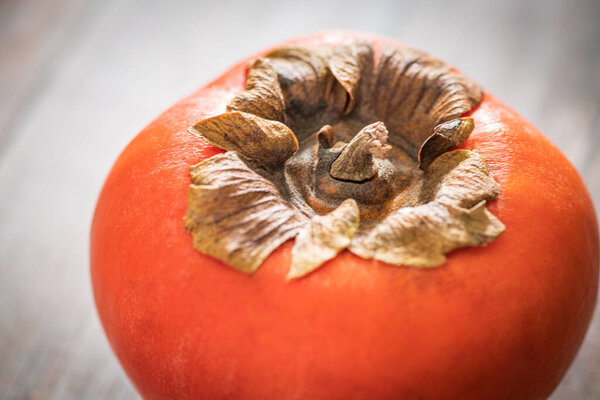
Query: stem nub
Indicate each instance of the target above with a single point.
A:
(355, 162)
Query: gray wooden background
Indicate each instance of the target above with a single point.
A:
(79, 78)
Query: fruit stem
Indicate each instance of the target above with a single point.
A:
(356, 161)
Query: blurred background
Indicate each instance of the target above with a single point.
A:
(79, 78)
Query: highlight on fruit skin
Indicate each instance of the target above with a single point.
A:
(309, 136)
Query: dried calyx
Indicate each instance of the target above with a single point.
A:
(335, 149)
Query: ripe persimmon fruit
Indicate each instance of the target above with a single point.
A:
(470, 274)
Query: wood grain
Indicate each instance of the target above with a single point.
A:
(78, 79)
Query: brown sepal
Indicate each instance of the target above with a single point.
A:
(351, 65)
(267, 142)
(263, 96)
(236, 215)
(453, 215)
(445, 136)
(324, 238)
(415, 92)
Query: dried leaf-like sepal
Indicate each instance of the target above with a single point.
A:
(445, 136)
(460, 178)
(323, 78)
(351, 65)
(263, 96)
(456, 189)
(421, 236)
(306, 81)
(267, 142)
(324, 238)
(236, 215)
(414, 92)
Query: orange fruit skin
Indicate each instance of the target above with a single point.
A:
(497, 322)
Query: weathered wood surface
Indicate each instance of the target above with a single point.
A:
(78, 78)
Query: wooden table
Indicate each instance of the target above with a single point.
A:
(78, 78)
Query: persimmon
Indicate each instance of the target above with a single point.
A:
(343, 217)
